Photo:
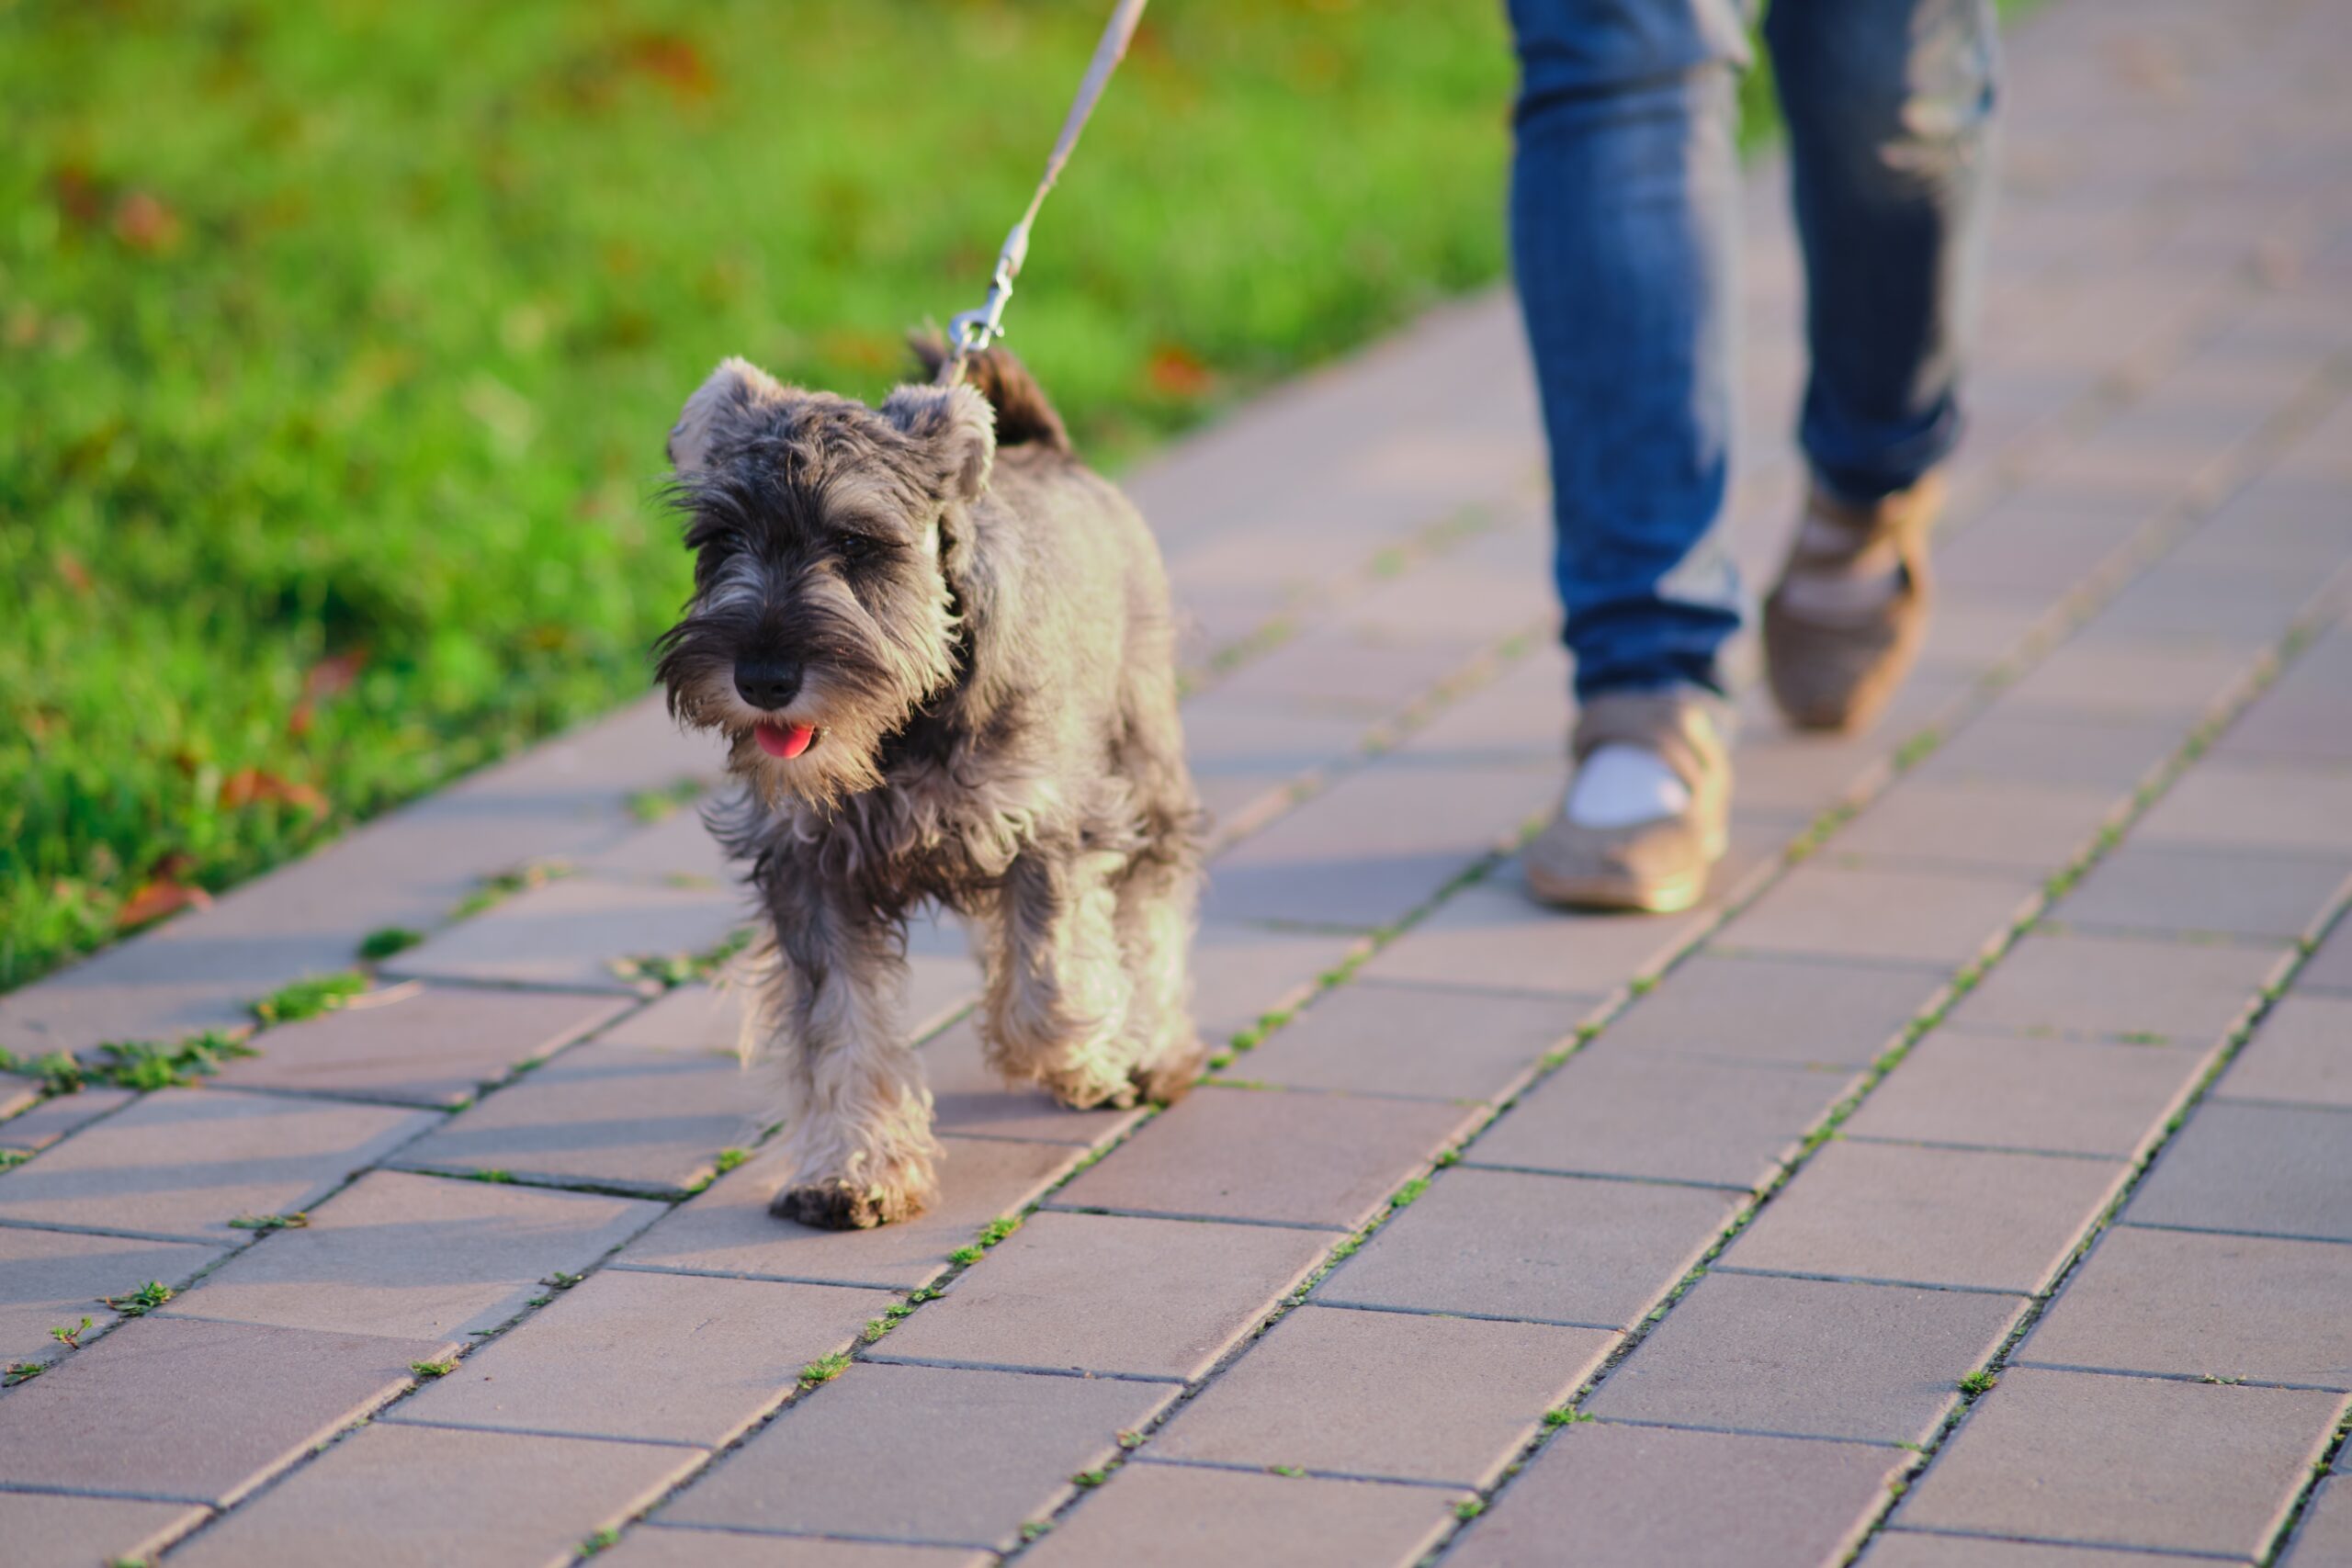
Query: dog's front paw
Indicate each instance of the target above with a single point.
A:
(838, 1205)
(1170, 1078)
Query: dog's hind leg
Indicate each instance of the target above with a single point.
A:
(1055, 1008)
(857, 1125)
(1155, 922)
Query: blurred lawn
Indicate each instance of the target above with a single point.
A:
(338, 341)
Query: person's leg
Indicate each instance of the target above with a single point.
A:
(1624, 242)
(1889, 106)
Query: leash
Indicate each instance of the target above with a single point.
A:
(973, 330)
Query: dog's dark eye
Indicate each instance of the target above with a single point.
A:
(863, 550)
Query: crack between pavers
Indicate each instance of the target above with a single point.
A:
(900, 1289)
(2118, 1156)
(1305, 1472)
(2234, 1230)
(1335, 1303)
(2209, 1379)
(1750, 1189)
(685, 1445)
(2020, 1291)
(2096, 1543)
(1892, 1445)
(1089, 1374)
(1334, 1229)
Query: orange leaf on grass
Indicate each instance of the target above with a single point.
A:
(329, 677)
(1174, 371)
(154, 900)
(145, 222)
(251, 786)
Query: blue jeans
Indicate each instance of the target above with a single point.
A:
(1625, 238)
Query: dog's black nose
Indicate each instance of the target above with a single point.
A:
(767, 682)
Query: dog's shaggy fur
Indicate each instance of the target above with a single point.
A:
(942, 650)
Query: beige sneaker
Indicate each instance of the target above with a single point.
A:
(1659, 865)
(1837, 641)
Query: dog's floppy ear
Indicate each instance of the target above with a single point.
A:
(719, 407)
(957, 427)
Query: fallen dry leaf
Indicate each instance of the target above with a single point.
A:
(1174, 371)
(142, 222)
(154, 900)
(252, 787)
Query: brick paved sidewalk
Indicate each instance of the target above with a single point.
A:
(1970, 1182)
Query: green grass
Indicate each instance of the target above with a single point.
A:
(337, 343)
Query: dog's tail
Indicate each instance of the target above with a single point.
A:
(1023, 415)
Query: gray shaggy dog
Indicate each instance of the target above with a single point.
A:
(943, 651)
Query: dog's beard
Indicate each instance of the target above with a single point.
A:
(862, 686)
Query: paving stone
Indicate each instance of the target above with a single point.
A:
(1795, 1012)
(2283, 1170)
(2110, 751)
(1547, 1249)
(1110, 1293)
(1994, 1222)
(46, 1527)
(196, 1412)
(2035, 544)
(1909, 1548)
(1386, 1394)
(2324, 1536)
(1242, 973)
(2301, 1054)
(2145, 678)
(2185, 889)
(2290, 810)
(1360, 670)
(2019, 827)
(1634, 1497)
(2194, 1467)
(16, 1093)
(659, 1546)
(1376, 846)
(676, 1358)
(183, 1162)
(968, 1098)
(49, 1278)
(420, 1045)
(1934, 918)
(1808, 1357)
(1493, 935)
(1275, 1156)
(2053, 1096)
(1619, 1110)
(2329, 968)
(638, 1118)
(1519, 718)
(59, 1116)
(998, 1449)
(728, 1230)
(569, 933)
(1242, 751)
(699, 1015)
(1434, 1043)
(393, 1497)
(2234, 1306)
(1166, 1516)
(417, 1256)
(2114, 988)
(679, 849)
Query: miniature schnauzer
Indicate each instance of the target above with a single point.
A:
(943, 651)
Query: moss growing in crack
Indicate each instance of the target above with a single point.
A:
(1979, 1382)
(967, 1255)
(824, 1369)
(659, 805)
(1469, 1509)
(563, 1282)
(1407, 1193)
(602, 1539)
(308, 997)
(1089, 1478)
(1131, 1440)
(142, 1301)
(385, 940)
(58, 1073)
(730, 1158)
(428, 1370)
(1566, 1416)
(495, 890)
(143, 1064)
(493, 1174)
(70, 1337)
(671, 970)
(1290, 1471)
(293, 1221)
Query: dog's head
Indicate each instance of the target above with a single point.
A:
(829, 540)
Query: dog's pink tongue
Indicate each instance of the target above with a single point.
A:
(783, 739)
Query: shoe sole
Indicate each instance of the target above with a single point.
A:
(1620, 896)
